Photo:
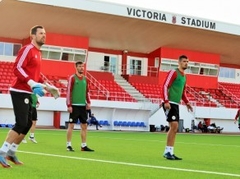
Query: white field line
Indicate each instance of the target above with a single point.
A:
(133, 164)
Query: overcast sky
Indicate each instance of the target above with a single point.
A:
(220, 10)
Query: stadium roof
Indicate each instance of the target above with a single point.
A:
(118, 27)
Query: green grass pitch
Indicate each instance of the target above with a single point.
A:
(127, 155)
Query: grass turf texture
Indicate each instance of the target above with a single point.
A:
(126, 155)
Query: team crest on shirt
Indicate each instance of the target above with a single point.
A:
(70, 120)
(173, 117)
(26, 100)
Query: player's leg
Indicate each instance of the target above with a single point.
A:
(172, 118)
(20, 103)
(83, 123)
(33, 127)
(73, 117)
(22, 110)
(69, 137)
(167, 151)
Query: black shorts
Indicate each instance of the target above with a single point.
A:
(22, 107)
(34, 114)
(78, 112)
(173, 114)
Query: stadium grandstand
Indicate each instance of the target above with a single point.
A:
(127, 55)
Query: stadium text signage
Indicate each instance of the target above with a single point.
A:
(198, 23)
(180, 20)
(140, 13)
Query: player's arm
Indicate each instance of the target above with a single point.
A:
(88, 100)
(19, 70)
(21, 63)
(186, 100)
(69, 92)
(237, 116)
(37, 105)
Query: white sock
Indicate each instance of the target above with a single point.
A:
(69, 144)
(5, 147)
(166, 150)
(171, 150)
(83, 144)
(14, 147)
(32, 135)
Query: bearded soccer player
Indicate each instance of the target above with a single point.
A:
(28, 80)
(173, 93)
(78, 102)
(237, 118)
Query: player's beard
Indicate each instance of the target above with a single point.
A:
(40, 43)
(80, 72)
(184, 68)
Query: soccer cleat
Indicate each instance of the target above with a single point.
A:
(33, 140)
(168, 156)
(14, 159)
(24, 141)
(69, 148)
(86, 149)
(176, 158)
(4, 163)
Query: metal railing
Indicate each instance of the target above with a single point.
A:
(198, 97)
(138, 70)
(208, 101)
(46, 79)
(100, 88)
(226, 91)
(102, 93)
(126, 69)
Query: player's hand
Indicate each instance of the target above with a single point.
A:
(69, 109)
(189, 107)
(37, 105)
(37, 88)
(167, 106)
(235, 121)
(88, 106)
(53, 90)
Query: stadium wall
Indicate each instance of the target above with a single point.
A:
(223, 117)
(119, 111)
(50, 108)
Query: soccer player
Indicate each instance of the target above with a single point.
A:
(27, 71)
(78, 102)
(28, 80)
(173, 92)
(35, 105)
(237, 118)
